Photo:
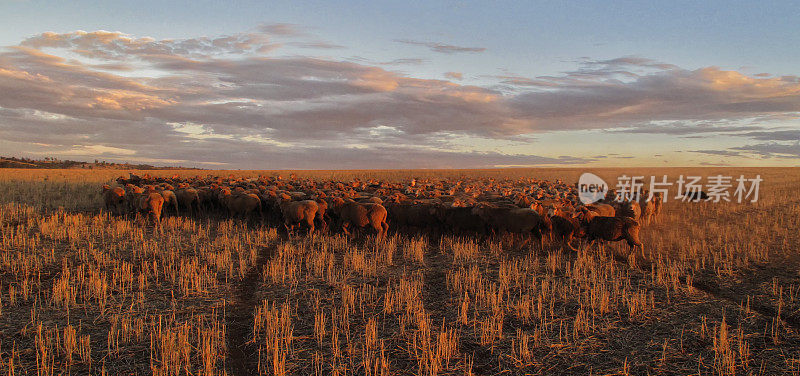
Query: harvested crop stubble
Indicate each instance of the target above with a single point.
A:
(714, 292)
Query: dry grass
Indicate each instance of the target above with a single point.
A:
(715, 291)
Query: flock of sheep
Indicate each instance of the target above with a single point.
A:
(467, 206)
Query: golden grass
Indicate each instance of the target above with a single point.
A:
(716, 291)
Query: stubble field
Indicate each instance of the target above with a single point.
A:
(714, 292)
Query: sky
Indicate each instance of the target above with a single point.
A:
(417, 84)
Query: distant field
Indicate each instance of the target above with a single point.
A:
(716, 290)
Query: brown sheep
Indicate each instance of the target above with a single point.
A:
(270, 208)
(630, 209)
(566, 227)
(189, 199)
(170, 200)
(600, 209)
(419, 215)
(648, 208)
(361, 215)
(297, 196)
(132, 193)
(322, 207)
(514, 220)
(460, 219)
(611, 229)
(371, 200)
(114, 199)
(242, 204)
(611, 197)
(298, 212)
(658, 202)
(151, 205)
(205, 196)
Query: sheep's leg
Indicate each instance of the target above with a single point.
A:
(631, 247)
(538, 234)
(567, 239)
(378, 230)
(525, 240)
(633, 244)
(310, 223)
(591, 244)
(319, 223)
(385, 227)
(157, 223)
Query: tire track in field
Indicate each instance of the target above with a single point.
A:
(242, 355)
(437, 300)
(713, 289)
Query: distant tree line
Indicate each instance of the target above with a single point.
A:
(51, 162)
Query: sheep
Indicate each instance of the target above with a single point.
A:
(460, 219)
(611, 229)
(565, 227)
(242, 204)
(150, 204)
(114, 199)
(602, 209)
(298, 212)
(658, 202)
(514, 220)
(170, 200)
(630, 209)
(188, 198)
(361, 215)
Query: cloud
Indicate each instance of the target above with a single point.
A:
(251, 154)
(630, 61)
(600, 99)
(686, 128)
(727, 153)
(283, 29)
(405, 61)
(767, 150)
(233, 99)
(715, 164)
(95, 150)
(442, 47)
(401, 61)
(454, 75)
(772, 150)
(774, 135)
(114, 45)
(317, 45)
